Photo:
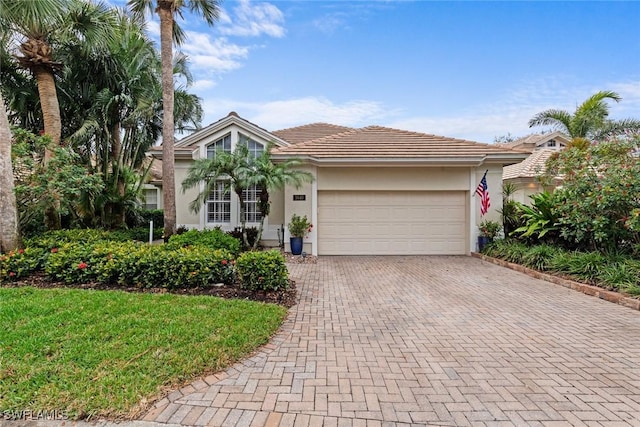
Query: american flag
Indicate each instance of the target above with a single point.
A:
(483, 191)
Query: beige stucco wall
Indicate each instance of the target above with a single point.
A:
(494, 182)
(183, 215)
(301, 208)
(276, 215)
(393, 178)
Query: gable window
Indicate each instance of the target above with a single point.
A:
(219, 203)
(255, 148)
(551, 143)
(251, 197)
(223, 144)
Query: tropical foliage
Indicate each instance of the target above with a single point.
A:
(598, 199)
(242, 170)
(88, 77)
(590, 119)
(170, 32)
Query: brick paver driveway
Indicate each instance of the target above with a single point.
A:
(429, 341)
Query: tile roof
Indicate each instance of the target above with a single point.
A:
(376, 142)
(529, 142)
(532, 166)
(309, 132)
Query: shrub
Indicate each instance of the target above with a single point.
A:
(57, 238)
(140, 265)
(264, 271)
(142, 217)
(141, 234)
(585, 265)
(507, 249)
(540, 257)
(252, 235)
(620, 275)
(15, 265)
(211, 239)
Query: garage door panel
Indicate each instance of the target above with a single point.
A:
(370, 222)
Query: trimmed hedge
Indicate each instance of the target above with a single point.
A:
(265, 271)
(211, 239)
(140, 265)
(192, 259)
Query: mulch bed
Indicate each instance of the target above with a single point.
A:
(286, 297)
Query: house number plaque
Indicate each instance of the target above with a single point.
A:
(299, 197)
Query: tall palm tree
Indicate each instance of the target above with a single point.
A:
(8, 210)
(37, 27)
(590, 120)
(170, 32)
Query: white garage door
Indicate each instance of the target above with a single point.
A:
(391, 223)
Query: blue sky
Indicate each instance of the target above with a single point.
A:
(466, 69)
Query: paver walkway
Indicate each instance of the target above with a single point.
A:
(442, 341)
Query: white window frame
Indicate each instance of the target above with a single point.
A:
(255, 148)
(219, 203)
(251, 196)
(222, 144)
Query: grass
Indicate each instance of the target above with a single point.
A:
(101, 353)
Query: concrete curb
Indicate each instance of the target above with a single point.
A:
(591, 290)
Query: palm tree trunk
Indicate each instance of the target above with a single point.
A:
(116, 159)
(50, 106)
(168, 159)
(9, 238)
(52, 128)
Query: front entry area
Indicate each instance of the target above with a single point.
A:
(392, 222)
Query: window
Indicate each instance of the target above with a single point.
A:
(551, 143)
(223, 144)
(151, 198)
(255, 148)
(251, 197)
(219, 203)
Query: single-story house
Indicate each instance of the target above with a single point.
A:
(376, 190)
(525, 176)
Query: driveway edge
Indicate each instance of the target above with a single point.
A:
(591, 290)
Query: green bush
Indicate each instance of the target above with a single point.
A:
(57, 238)
(265, 271)
(141, 234)
(140, 265)
(621, 275)
(211, 239)
(507, 249)
(15, 265)
(252, 235)
(540, 257)
(142, 217)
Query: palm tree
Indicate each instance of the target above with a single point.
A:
(9, 239)
(243, 171)
(170, 32)
(588, 121)
(270, 176)
(38, 26)
(234, 167)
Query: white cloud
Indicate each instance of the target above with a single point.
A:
(293, 112)
(213, 55)
(202, 85)
(253, 20)
(330, 23)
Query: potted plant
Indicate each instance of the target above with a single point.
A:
(488, 231)
(299, 227)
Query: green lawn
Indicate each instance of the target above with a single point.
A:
(100, 353)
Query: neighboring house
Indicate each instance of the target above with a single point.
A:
(552, 141)
(376, 190)
(525, 175)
